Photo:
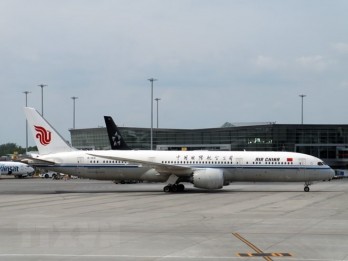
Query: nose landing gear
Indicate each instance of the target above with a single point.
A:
(306, 187)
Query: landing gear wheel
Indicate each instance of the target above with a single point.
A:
(306, 189)
(181, 187)
(167, 188)
(174, 188)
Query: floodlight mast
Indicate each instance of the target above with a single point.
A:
(26, 123)
(74, 99)
(157, 100)
(302, 96)
(42, 106)
(151, 138)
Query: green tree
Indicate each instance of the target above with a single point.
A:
(11, 148)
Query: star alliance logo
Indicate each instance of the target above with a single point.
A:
(116, 139)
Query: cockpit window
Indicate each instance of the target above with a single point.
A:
(320, 163)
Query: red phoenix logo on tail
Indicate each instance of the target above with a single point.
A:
(43, 135)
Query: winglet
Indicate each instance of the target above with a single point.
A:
(116, 140)
(47, 139)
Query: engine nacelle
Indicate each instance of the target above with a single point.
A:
(208, 178)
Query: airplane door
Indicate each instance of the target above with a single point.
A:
(239, 162)
(239, 165)
(302, 170)
(80, 161)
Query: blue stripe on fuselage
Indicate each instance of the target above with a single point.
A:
(215, 166)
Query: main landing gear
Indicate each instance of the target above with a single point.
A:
(174, 188)
(173, 185)
(306, 187)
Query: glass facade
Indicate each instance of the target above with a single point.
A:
(328, 142)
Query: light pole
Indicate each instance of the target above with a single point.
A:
(302, 96)
(151, 142)
(42, 86)
(157, 100)
(26, 123)
(74, 99)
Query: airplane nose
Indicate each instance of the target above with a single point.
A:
(331, 173)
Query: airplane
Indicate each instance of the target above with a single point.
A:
(204, 169)
(18, 169)
(116, 140)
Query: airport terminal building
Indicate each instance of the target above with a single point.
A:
(328, 142)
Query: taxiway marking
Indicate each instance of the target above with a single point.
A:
(259, 252)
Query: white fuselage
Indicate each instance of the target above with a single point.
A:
(236, 165)
(15, 168)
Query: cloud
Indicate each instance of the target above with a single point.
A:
(211, 58)
(341, 47)
(267, 63)
(343, 85)
(315, 63)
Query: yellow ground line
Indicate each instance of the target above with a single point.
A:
(251, 245)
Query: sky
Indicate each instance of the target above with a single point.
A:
(215, 61)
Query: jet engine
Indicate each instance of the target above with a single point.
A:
(208, 178)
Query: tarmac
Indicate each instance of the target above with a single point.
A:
(99, 220)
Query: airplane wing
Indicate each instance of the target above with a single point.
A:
(37, 162)
(159, 167)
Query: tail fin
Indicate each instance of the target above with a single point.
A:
(116, 140)
(47, 139)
